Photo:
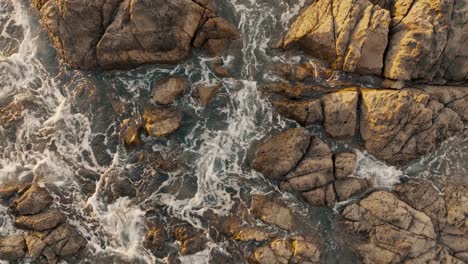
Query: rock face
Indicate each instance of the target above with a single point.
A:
(400, 125)
(340, 111)
(412, 225)
(279, 154)
(351, 35)
(412, 40)
(127, 33)
(48, 236)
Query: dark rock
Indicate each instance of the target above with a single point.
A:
(116, 184)
(42, 221)
(161, 122)
(320, 197)
(33, 201)
(167, 91)
(12, 247)
(192, 240)
(272, 211)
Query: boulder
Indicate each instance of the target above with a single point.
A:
(280, 153)
(128, 33)
(192, 241)
(65, 241)
(272, 211)
(42, 221)
(426, 41)
(161, 122)
(33, 201)
(12, 247)
(321, 197)
(340, 113)
(398, 126)
(165, 92)
(351, 36)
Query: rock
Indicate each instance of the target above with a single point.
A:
(12, 247)
(206, 93)
(272, 211)
(192, 241)
(116, 184)
(426, 41)
(35, 245)
(340, 113)
(65, 241)
(392, 226)
(294, 249)
(279, 154)
(131, 132)
(345, 165)
(42, 221)
(349, 187)
(320, 197)
(305, 112)
(125, 33)
(251, 234)
(397, 126)
(156, 238)
(295, 92)
(351, 36)
(220, 70)
(167, 91)
(161, 122)
(456, 197)
(33, 201)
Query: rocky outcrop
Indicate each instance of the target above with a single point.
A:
(411, 224)
(396, 125)
(48, 236)
(128, 33)
(351, 36)
(401, 40)
(319, 177)
(293, 249)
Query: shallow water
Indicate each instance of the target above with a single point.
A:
(68, 129)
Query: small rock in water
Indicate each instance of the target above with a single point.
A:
(131, 132)
(167, 91)
(294, 249)
(206, 93)
(161, 122)
(42, 221)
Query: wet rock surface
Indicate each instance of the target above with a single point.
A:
(124, 33)
(167, 91)
(161, 122)
(47, 235)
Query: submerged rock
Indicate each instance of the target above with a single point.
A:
(206, 93)
(167, 91)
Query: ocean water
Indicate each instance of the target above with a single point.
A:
(65, 127)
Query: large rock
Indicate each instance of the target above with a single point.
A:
(126, 33)
(294, 249)
(400, 125)
(34, 200)
(305, 112)
(427, 41)
(279, 154)
(161, 122)
(350, 35)
(42, 221)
